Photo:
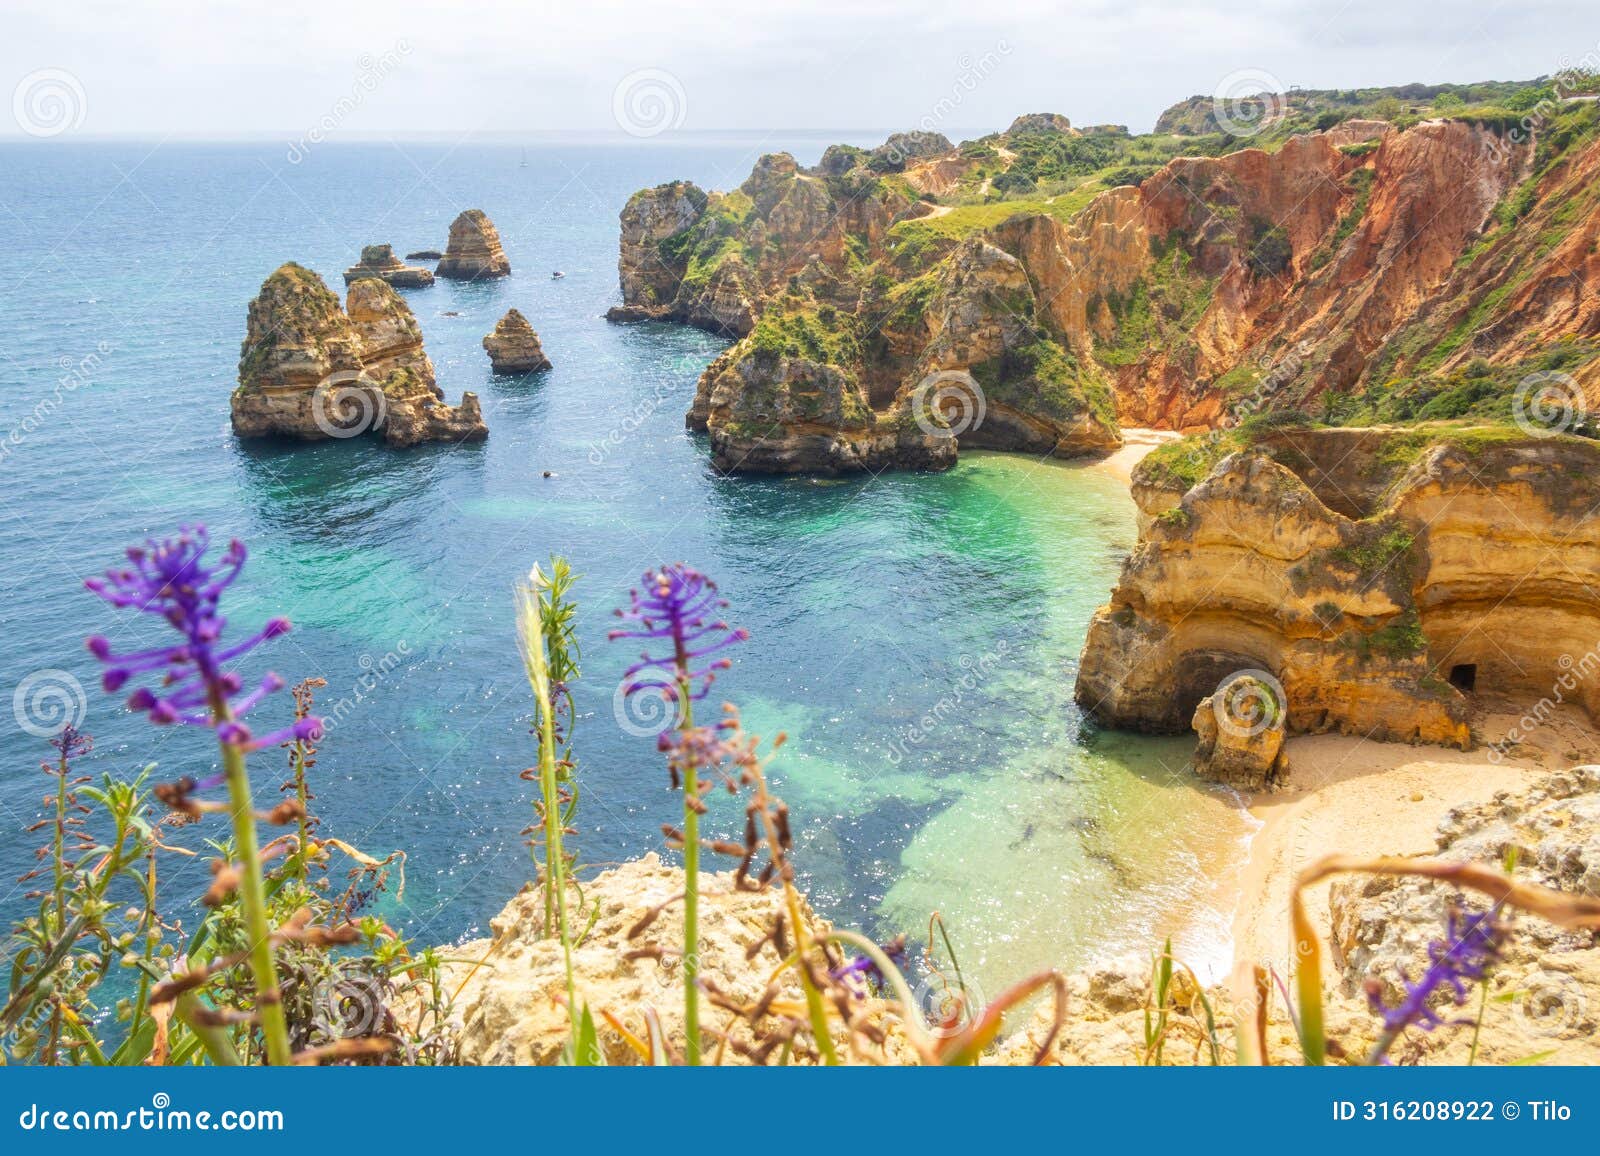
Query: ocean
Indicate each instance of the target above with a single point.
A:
(915, 635)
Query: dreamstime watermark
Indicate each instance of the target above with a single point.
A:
(348, 403)
(1549, 403)
(372, 71)
(971, 72)
(47, 702)
(948, 1009)
(75, 375)
(1571, 80)
(374, 672)
(947, 403)
(1575, 672)
(346, 1005)
(618, 435)
(649, 102)
(644, 712)
(1248, 702)
(1549, 1003)
(976, 672)
(160, 1116)
(1247, 102)
(48, 102)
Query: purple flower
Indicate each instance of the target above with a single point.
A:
(171, 578)
(864, 967)
(677, 604)
(1471, 946)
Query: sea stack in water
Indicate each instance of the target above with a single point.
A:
(380, 262)
(474, 251)
(514, 346)
(311, 370)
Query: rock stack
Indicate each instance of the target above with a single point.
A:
(379, 261)
(474, 252)
(311, 370)
(514, 346)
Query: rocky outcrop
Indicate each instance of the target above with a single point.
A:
(514, 347)
(1544, 995)
(311, 370)
(380, 262)
(1367, 269)
(510, 1007)
(1239, 733)
(1381, 579)
(474, 252)
(1039, 124)
(424, 255)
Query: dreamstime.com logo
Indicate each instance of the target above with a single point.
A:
(47, 702)
(160, 1116)
(644, 713)
(1247, 102)
(49, 102)
(347, 404)
(1549, 403)
(1248, 702)
(947, 403)
(649, 102)
(948, 1009)
(1550, 1003)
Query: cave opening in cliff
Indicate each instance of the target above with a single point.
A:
(1464, 676)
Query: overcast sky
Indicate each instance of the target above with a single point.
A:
(358, 68)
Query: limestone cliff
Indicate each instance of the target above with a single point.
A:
(311, 370)
(474, 252)
(1418, 264)
(1379, 579)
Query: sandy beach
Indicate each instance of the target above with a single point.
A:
(1136, 444)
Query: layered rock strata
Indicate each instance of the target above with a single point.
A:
(474, 252)
(1403, 271)
(514, 347)
(309, 369)
(1384, 579)
(380, 262)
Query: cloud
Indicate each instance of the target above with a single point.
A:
(231, 68)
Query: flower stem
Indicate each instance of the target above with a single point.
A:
(691, 883)
(269, 1001)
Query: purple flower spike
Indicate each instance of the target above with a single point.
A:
(1472, 945)
(677, 604)
(171, 578)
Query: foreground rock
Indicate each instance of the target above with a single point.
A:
(1377, 579)
(379, 261)
(510, 1009)
(311, 370)
(474, 252)
(514, 346)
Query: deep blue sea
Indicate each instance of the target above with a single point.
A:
(872, 602)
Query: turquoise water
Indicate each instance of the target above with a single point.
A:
(915, 635)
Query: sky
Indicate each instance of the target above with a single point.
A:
(380, 68)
